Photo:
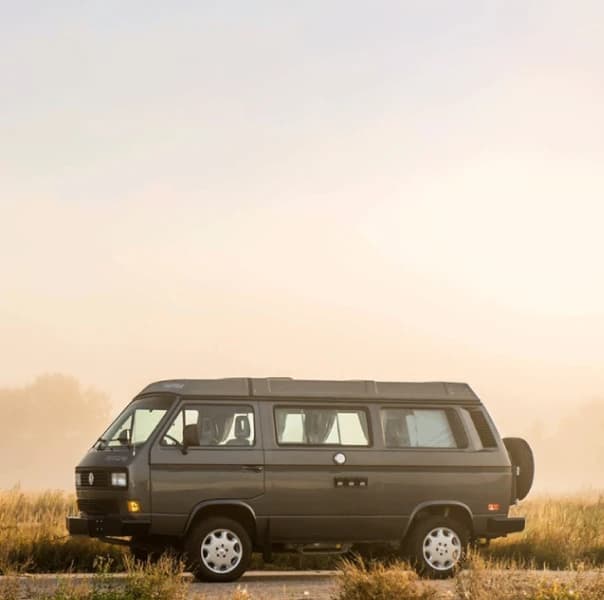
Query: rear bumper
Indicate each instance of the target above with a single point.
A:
(103, 526)
(500, 526)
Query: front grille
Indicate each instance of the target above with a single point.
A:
(95, 478)
(98, 507)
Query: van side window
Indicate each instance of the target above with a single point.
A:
(485, 433)
(212, 425)
(312, 426)
(418, 428)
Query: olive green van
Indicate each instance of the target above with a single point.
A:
(218, 469)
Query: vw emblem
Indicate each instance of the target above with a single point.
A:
(91, 478)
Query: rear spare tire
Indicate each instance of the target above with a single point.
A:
(523, 465)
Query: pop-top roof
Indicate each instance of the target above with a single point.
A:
(285, 387)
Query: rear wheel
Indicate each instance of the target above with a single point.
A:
(218, 549)
(436, 546)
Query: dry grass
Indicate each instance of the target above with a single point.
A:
(33, 535)
(561, 533)
(160, 581)
(357, 581)
(485, 580)
(481, 580)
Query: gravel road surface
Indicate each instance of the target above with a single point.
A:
(266, 585)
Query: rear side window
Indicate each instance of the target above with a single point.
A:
(212, 425)
(420, 428)
(485, 433)
(321, 426)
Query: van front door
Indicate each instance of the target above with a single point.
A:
(210, 451)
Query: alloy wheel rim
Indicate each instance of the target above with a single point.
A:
(221, 551)
(442, 548)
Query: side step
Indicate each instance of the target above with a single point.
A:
(320, 548)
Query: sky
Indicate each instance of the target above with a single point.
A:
(375, 190)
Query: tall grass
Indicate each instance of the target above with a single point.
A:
(486, 579)
(481, 580)
(33, 536)
(358, 581)
(159, 581)
(561, 533)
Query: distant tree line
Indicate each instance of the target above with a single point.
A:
(46, 428)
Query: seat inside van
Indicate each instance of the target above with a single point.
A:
(242, 432)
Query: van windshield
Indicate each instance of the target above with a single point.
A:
(134, 426)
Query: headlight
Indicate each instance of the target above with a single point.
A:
(119, 479)
(78, 480)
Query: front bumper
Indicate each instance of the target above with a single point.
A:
(500, 526)
(105, 526)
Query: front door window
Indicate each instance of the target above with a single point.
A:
(212, 425)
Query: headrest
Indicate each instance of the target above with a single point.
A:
(242, 427)
(190, 435)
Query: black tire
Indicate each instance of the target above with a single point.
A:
(437, 556)
(201, 555)
(523, 465)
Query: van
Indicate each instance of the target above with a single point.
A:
(218, 469)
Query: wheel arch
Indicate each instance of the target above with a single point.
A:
(234, 509)
(446, 508)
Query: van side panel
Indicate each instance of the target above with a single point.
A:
(304, 503)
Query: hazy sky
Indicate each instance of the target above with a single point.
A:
(388, 190)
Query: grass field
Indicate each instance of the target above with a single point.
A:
(561, 533)
(33, 537)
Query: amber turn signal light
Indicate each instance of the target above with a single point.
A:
(134, 506)
(493, 507)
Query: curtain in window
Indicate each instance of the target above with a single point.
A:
(280, 418)
(364, 425)
(224, 423)
(318, 425)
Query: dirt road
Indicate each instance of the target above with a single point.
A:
(261, 585)
(269, 585)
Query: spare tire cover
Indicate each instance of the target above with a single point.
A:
(523, 464)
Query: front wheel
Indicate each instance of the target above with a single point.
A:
(436, 546)
(218, 549)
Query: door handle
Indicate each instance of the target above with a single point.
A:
(254, 468)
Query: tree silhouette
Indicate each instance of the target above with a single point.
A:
(46, 428)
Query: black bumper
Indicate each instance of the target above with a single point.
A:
(499, 526)
(104, 526)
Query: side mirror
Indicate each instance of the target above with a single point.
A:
(124, 437)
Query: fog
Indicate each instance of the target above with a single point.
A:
(46, 426)
(49, 423)
(344, 190)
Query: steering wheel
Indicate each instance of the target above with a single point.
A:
(176, 442)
